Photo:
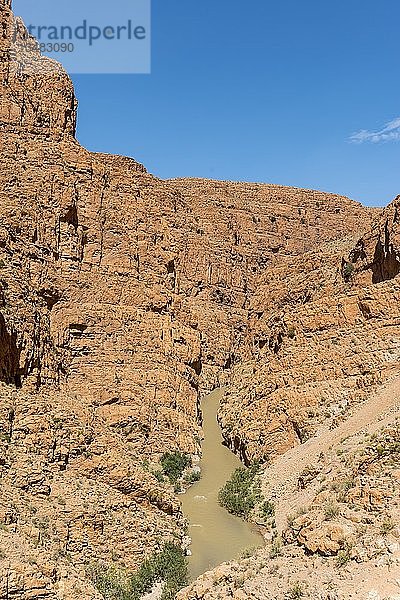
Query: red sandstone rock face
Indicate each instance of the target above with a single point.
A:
(318, 345)
(122, 296)
(244, 230)
(376, 257)
(25, 74)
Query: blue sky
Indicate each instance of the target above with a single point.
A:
(260, 91)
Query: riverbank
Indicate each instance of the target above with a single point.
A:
(216, 535)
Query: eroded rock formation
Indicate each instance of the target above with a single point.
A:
(124, 297)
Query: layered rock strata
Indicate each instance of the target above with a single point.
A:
(123, 297)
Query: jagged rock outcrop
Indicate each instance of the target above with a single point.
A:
(376, 256)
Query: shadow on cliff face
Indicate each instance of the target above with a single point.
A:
(9, 355)
(386, 264)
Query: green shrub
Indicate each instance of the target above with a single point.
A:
(343, 556)
(297, 591)
(193, 477)
(380, 450)
(168, 566)
(267, 509)
(276, 547)
(248, 552)
(159, 475)
(348, 271)
(241, 492)
(342, 487)
(174, 464)
(331, 510)
(387, 525)
(111, 581)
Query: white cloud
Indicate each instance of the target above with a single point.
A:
(389, 133)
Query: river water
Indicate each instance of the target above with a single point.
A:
(217, 536)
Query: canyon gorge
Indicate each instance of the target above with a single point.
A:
(124, 299)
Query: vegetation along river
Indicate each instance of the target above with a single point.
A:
(217, 536)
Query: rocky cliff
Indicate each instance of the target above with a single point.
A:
(321, 388)
(124, 297)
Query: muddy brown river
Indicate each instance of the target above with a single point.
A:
(217, 536)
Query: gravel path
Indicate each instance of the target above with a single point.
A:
(281, 478)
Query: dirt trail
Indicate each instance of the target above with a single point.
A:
(281, 478)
